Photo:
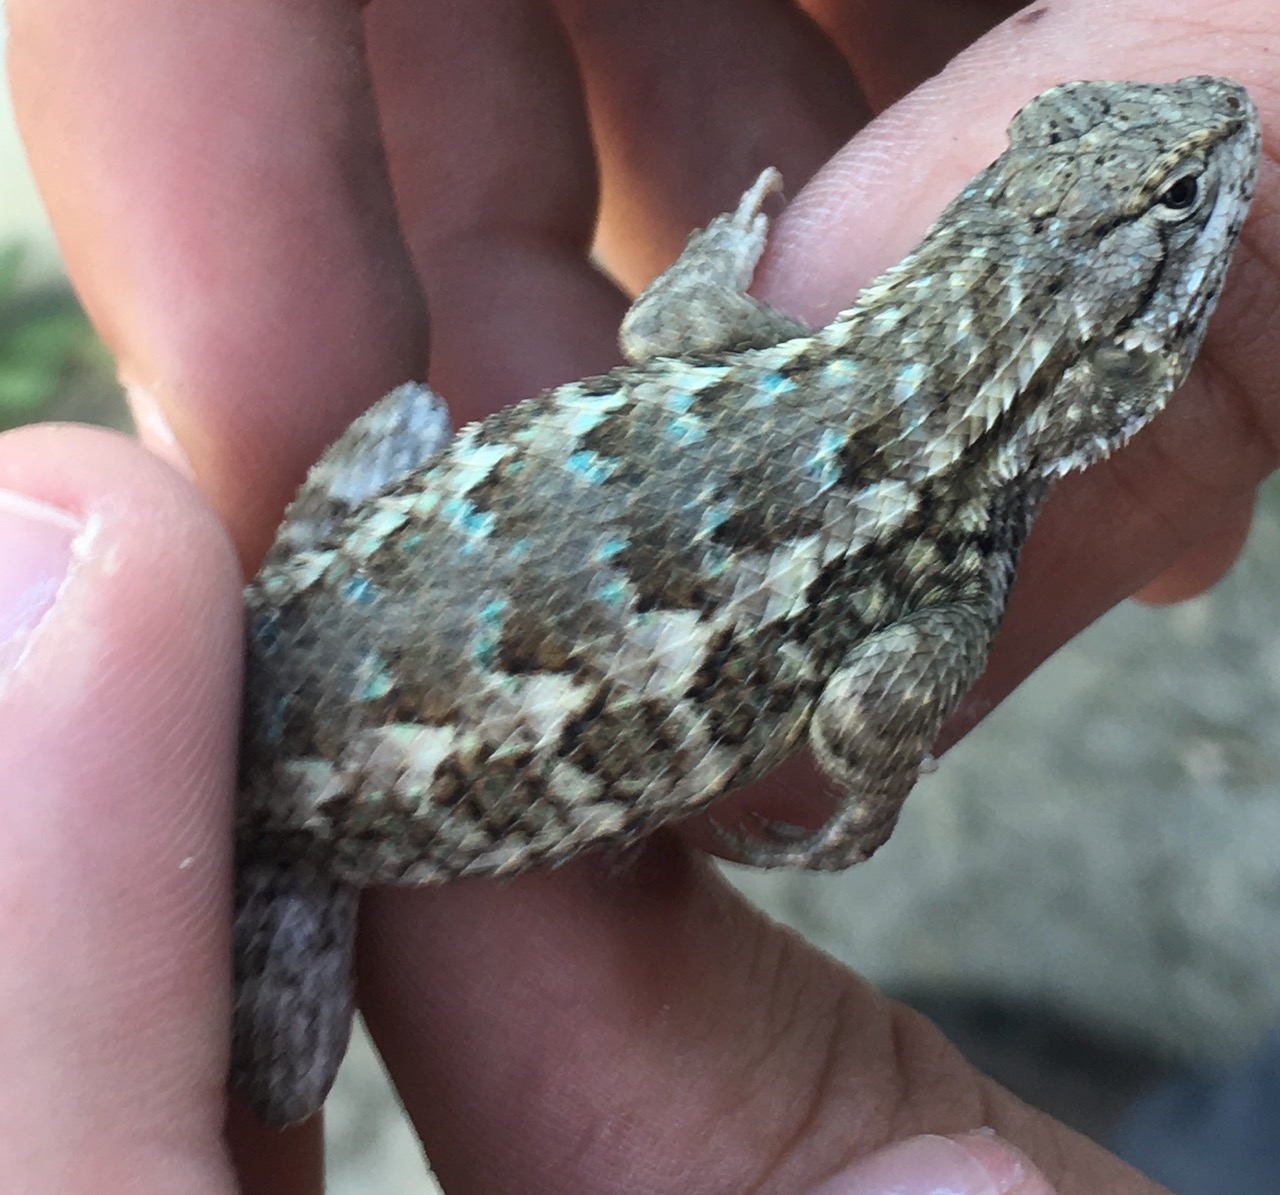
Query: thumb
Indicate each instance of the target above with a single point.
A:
(119, 657)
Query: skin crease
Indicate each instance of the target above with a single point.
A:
(214, 177)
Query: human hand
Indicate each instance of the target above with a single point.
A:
(231, 230)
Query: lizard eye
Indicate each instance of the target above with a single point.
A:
(1178, 198)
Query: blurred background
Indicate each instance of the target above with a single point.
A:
(1086, 894)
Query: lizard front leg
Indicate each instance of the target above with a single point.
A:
(699, 303)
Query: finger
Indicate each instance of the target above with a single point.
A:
(966, 1164)
(495, 177)
(616, 1031)
(216, 183)
(119, 667)
(895, 47)
(690, 102)
(1202, 565)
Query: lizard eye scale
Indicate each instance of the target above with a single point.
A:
(605, 607)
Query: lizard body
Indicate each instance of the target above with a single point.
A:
(607, 606)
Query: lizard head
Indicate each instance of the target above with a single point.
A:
(1132, 196)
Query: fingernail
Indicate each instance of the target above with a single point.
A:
(37, 543)
(971, 1164)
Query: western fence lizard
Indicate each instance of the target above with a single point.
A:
(607, 606)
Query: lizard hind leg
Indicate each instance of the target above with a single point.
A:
(395, 437)
(872, 729)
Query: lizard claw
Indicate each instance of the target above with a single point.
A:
(768, 842)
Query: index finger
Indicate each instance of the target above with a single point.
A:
(215, 178)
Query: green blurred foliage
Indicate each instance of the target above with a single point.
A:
(46, 347)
